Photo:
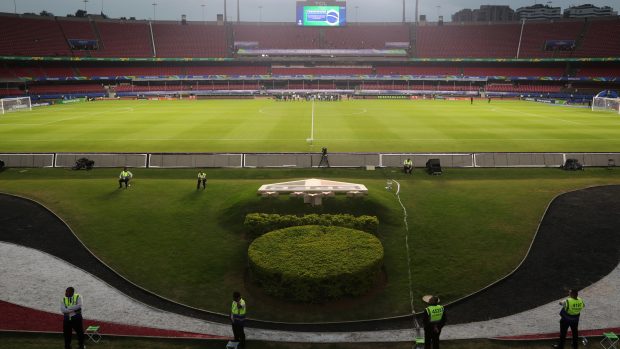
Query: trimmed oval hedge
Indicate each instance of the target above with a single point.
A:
(315, 263)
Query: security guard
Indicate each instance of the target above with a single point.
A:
(569, 317)
(237, 318)
(71, 308)
(434, 318)
(408, 166)
(124, 177)
(202, 179)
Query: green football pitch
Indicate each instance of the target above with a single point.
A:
(347, 126)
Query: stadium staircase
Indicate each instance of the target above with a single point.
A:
(413, 43)
(95, 30)
(63, 34)
(582, 34)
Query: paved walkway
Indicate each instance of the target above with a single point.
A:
(37, 280)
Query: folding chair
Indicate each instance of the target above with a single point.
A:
(93, 333)
(419, 342)
(610, 340)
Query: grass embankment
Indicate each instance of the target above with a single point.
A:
(468, 228)
(269, 126)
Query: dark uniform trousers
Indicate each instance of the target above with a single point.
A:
(239, 332)
(564, 325)
(75, 323)
(123, 180)
(203, 182)
(431, 337)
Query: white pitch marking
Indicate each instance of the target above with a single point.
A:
(122, 110)
(542, 116)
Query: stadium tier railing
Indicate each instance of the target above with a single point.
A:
(306, 160)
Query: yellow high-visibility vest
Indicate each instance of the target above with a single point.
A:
(238, 310)
(574, 306)
(435, 312)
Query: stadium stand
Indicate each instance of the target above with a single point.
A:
(123, 39)
(517, 71)
(523, 88)
(190, 40)
(310, 85)
(418, 70)
(35, 71)
(80, 88)
(6, 72)
(468, 41)
(365, 36)
(431, 86)
(502, 40)
(26, 72)
(47, 36)
(29, 35)
(290, 36)
(40, 36)
(227, 70)
(320, 71)
(10, 92)
(79, 29)
(278, 36)
(57, 71)
(188, 87)
(609, 71)
(130, 71)
(535, 34)
(601, 39)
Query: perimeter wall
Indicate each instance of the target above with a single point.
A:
(306, 160)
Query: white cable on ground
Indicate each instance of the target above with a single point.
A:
(416, 325)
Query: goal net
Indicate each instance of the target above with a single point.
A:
(606, 101)
(15, 104)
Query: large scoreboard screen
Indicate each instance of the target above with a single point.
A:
(321, 16)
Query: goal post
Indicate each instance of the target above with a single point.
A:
(606, 104)
(15, 104)
(606, 101)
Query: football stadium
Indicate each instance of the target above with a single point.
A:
(309, 174)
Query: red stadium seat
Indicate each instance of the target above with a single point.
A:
(47, 36)
(320, 71)
(124, 39)
(191, 40)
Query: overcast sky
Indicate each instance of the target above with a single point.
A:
(272, 10)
